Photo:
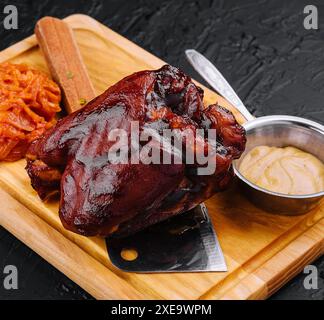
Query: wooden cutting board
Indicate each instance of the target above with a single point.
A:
(262, 251)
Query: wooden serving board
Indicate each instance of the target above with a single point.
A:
(262, 251)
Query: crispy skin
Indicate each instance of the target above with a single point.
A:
(97, 195)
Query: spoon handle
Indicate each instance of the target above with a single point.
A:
(210, 73)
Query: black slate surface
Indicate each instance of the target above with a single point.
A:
(261, 47)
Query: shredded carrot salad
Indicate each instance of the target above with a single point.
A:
(29, 101)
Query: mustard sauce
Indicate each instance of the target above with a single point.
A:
(284, 170)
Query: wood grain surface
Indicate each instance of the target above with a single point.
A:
(262, 251)
(64, 61)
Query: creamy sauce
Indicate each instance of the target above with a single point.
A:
(285, 170)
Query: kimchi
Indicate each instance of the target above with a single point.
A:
(29, 101)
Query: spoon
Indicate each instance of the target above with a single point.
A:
(273, 131)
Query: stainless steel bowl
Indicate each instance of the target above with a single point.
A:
(277, 131)
(282, 131)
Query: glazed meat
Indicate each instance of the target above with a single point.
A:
(99, 196)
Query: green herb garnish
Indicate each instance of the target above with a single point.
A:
(69, 75)
(82, 101)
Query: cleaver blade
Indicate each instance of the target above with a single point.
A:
(184, 243)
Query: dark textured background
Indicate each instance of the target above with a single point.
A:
(261, 47)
